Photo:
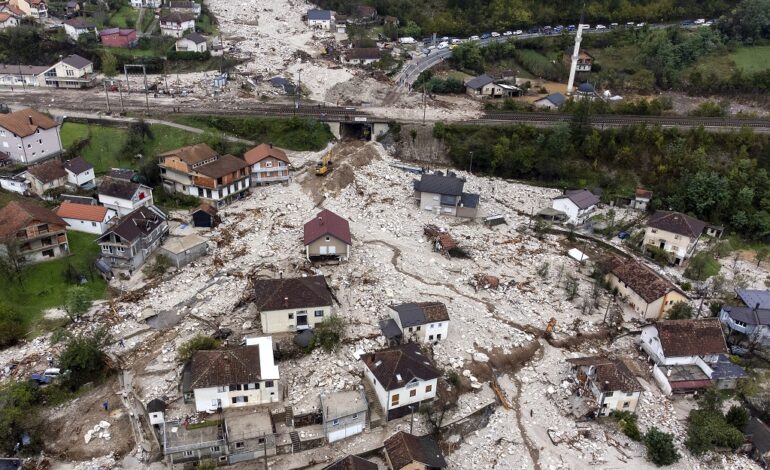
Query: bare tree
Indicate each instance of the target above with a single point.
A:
(12, 261)
(571, 287)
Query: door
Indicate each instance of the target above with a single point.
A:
(302, 321)
(346, 432)
(332, 250)
(322, 250)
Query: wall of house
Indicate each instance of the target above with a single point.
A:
(190, 46)
(662, 380)
(89, 226)
(315, 248)
(278, 321)
(323, 24)
(156, 418)
(431, 331)
(251, 448)
(125, 206)
(40, 145)
(205, 397)
(404, 397)
(469, 212)
(38, 187)
(568, 207)
(655, 310)
(131, 257)
(432, 202)
(176, 30)
(617, 401)
(14, 185)
(186, 257)
(80, 179)
(679, 245)
(348, 421)
(268, 170)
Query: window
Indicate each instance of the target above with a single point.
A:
(413, 392)
(235, 387)
(319, 313)
(432, 325)
(428, 388)
(215, 449)
(654, 230)
(106, 249)
(430, 338)
(70, 73)
(268, 384)
(609, 394)
(335, 422)
(119, 249)
(355, 416)
(252, 386)
(239, 445)
(418, 328)
(261, 440)
(328, 239)
(48, 253)
(215, 403)
(40, 141)
(410, 329)
(2, 133)
(626, 404)
(630, 394)
(188, 453)
(93, 224)
(223, 458)
(291, 316)
(394, 400)
(240, 399)
(676, 237)
(439, 325)
(268, 164)
(222, 388)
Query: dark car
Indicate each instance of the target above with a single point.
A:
(486, 36)
(533, 30)
(687, 23)
(40, 379)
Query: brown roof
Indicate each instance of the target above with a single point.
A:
(48, 171)
(395, 367)
(611, 374)
(4, 17)
(10, 69)
(207, 208)
(403, 449)
(191, 154)
(327, 223)
(352, 462)
(643, 193)
(224, 367)
(118, 188)
(363, 53)
(292, 292)
(676, 222)
(421, 313)
(176, 17)
(77, 165)
(17, 215)
(641, 279)
(71, 210)
(262, 151)
(222, 166)
(691, 337)
(26, 122)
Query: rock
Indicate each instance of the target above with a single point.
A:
(104, 424)
(88, 435)
(480, 357)
(466, 373)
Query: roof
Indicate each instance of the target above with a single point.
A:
(224, 367)
(88, 200)
(319, 15)
(352, 462)
(586, 88)
(645, 282)
(191, 154)
(11, 69)
(748, 315)
(121, 173)
(478, 82)
(421, 313)
(48, 171)
(724, 369)
(440, 184)
(691, 337)
(582, 198)
(389, 328)
(118, 188)
(111, 31)
(343, 403)
(759, 434)
(177, 17)
(292, 292)
(556, 98)
(469, 200)
(610, 374)
(156, 405)
(181, 4)
(754, 297)
(222, 166)
(327, 222)
(79, 23)
(178, 245)
(207, 208)
(26, 122)
(676, 222)
(138, 223)
(362, 53)
(262, 151)
(76, 61)
(5, 17)
(71, 210)
(404, 448)
(197, 38)
(397, 366)
(17, 215)
(642, 193)
(77, 165)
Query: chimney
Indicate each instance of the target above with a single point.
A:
(30, 120)
(271, 145)
(320, 220)
(285, 301)
(280, 274)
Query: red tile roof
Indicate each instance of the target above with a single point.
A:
(262, 151)
(327, 223)
(71, 210)
(25, 122)
(18, 215)
(691, 337)
(225, 367)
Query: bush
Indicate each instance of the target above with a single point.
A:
(77, 301)
(12, 327)
(680, 311)
(707, 430)
(197, 343)
(328, 334)
(627, 424)
(84, 358)
(737, 417)
(18, 414)
(686, 286)
(702, 266)
(660, 447)
(188, 55)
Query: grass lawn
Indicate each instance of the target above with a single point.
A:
(44, 285)
(752, 59)
(125, 17)
(529, 55)
(622, 58)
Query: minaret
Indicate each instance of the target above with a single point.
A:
(575, 55)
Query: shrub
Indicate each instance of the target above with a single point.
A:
(680, 311)
(197, 343)
(701, 267)
(84, 358)
(158, 268)
(12, 327)
(627, 424)
(737, 417)
(686, 286)
(328, 334)
(707, 430)
(76, 302)
(660, 447)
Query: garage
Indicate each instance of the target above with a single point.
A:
(344, 432)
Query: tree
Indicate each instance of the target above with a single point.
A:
(197, 343)
(12, 327)
(710, 400)
(84, 358)
(76, 302)
(18, 414)
(761, 254)
(737, 416)
(701, 267)
(680, 311)
(328, 334)
(660, 447)
(109, 64)
(12, 262)
(571, 287)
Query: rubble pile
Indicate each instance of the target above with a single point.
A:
(99, 431)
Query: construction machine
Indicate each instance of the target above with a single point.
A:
(325, 165)
(549, 328)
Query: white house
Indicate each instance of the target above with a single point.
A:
(28, 136)
(425, 322)
(231, 378)
(8, 20)
(193, 42)
(578, 205)
(402, 378)
(443, 195)
(74, 27)
(320, 19)
(751, 319)
(72, 71)
(80, 173)
(14, 183)
(641, 200)
(176, 24)
(85, 217)
(674, 232)
(611, 385)
(146, 3)
(156, 410)
(647, 292)
(361, 56)
(22, 75)
(292, 304)
(552, 101)
(123, 196)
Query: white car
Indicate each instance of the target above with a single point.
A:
(585, 26)
(456, 41)
(600, 26)
(52, 372)
(700, 21)
(442, 45)
(640, 25)
(518, 32)
(473, 38)
(508, 33)
(495, 34)
(708, 23)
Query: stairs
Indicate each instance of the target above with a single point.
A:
(289, 416)
(295, 444)
(375, 410)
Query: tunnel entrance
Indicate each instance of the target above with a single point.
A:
(355, 131)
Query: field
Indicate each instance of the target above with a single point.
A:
(752, 59)
(125, 17)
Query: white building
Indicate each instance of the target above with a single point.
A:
(22, 76)
(552, 101)
(80, 173)
(750, 319)
(74, 27)
(14, 183)
(28, 136)
(425, 322)
(231, 378)
(292, 304)
(8, 20)
(146, 3)
(85, 217)
(675, 233)
(156, 410)
(123, 196)
(402, 378)
(177, 24)
(320, 19)
(612, 386)
(72, 71)
(578, 205)
(193, 42)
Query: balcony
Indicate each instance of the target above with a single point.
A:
(268, 179)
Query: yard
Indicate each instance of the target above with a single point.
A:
(752, 59)
(125, 17)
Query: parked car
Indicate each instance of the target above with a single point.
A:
(630, 24)
(708, 23)
(585, 26)
(473, 38)
(533, 30)
(40, 379)
(571, 28)
(486, 36)
(687, 23)
(443, 45)
(600, 26)
(456, 41)
(558, 29)
(641, 25)
(508, 33)
(613, 25)
(700, 21)
(518, 32)
(52, 372)
(495, 34)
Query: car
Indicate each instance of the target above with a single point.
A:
(52, 372)
(456, 41)
(533, 30)
(518, 32)
(600, 26)
(641, 25)
(473, 38)
(453, 46)
(558, 29)
(571, 28)
(39, 379)
(708, 23)
(613, 25)
(442, 45)
(687, 23)
(445, 39)
(585, 26)
(508, 33)
(486, 36)
(630, 24)
(699, 21)
(624, 235)
(495, 34)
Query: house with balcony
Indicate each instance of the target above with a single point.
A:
(675, 233)
(185, 6)
(28, 136)
(80, 173)
(578, 205)
(585, 60)
(607, 385)
(72, 71)
(269, 164)
(133, 238)
(31, 8)
(122, 196)
(176, 24)
(443, 195)
(45, 177)
(292, 304)
(647, 292)
(21, 75)
(748, 321)
(320, 19)
(199, 171)
(33, 232)
(424, 322)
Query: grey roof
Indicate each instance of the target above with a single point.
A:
(156, 405)
(138, 223)
(469, 200)
(389, 328)
(759, 434)
(76, 61)
(414, 314)
(80, 23)
(102, 266)
(480, 81)
(748, 315)
(77, 165)
(586, 88)
(556, 98)
(582, 198)
(197, 38)
(676, 222)
(724, 369)
(752, 297)
(319, 15)
(440, 184)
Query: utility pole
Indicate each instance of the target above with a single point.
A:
(424, 104)
(411, 420)
(470, 167)
(128, 84)
(146, 91)
(107, 95)
(21, 75)
(120, 93)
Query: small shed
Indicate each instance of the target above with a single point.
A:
(156, 409)
(184, 250)
(206, 216)
(577, 254)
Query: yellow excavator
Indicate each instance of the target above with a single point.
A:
(325, 165)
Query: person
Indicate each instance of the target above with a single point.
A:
(121, 343)
(50, 361)
(106, 405)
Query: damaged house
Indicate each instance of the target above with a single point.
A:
(327, 237)
(405, 451)
(610, 383)
(444, 195)
(292, 304)
(128, 243)
(648, 293)
(424, 322)
(750, 320)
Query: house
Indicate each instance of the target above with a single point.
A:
(327, 236)
(715, 231)
(21, 75)
(483, 85)
(344, 414)
(425, 322)
(361, 56)
(123, 196)
(750, 320)
(15, 183)
(584, 61)
(182, 251)
(402, 378)
(193, 42)
(29, 136)
(610, 383)
(146, 3)
(205, 215)
(72, 71)
(129, 242)
(407, 451)
(641, 200)
(674, 232)
(34, 8)
(237, 377)
(72, 7)
(687, 354)
(176, 24)
(74, 27)
(363, 14)
(352, 462)
(552, 101)
(124, 174)
(320, 19)
(648, 293)
(758, 435)
(117, 37)
(45, 177)
(187, 7)
(156, 409)
(269, 164)
(85, 218)
(8, 20)
(249, 435)
(292, 304)
(444, 195)
(36, 233)
(578, 205)
(197, 170)
(80, 173)
(340, 24)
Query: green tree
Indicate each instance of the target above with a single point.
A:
(13, 264)
(84, 358)
(18, 414)
(467, 56)
(701, 267)
(328, 334)
(711, 400)
(660, 447)
(749, 21)
(196, 343)
(12, 327)
(410, 29)
(109, 65)
(761, 254)
(680, 311)
(737, 417)
(77, 301)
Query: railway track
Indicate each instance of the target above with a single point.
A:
(624, 120)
